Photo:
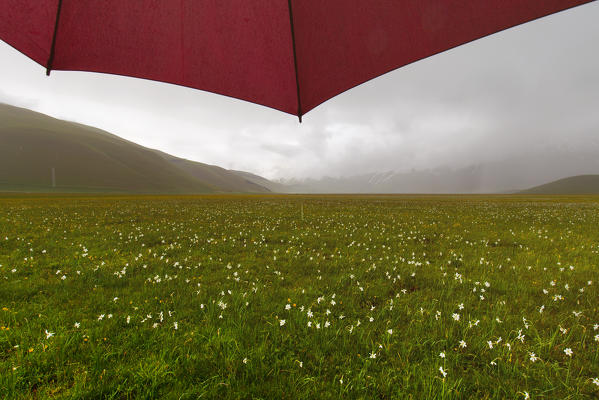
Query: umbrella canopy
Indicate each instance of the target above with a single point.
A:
(290, 55)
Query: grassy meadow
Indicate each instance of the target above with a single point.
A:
(431, 297)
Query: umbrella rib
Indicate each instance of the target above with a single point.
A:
(299, 101)
(51, 57)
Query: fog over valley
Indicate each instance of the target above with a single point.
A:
(505, 112)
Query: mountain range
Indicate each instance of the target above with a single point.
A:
(510, 175)
(41, 153)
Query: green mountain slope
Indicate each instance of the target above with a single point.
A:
(225, 180)
(34, 147)
(261, 181)
(582, 184)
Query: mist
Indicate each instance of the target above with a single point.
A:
(530, 92)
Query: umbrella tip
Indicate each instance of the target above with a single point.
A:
(48, 71)
(300, 118)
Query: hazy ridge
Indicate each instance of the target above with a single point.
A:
(35, 146)
(509, 175)
(41, 153)
(582, 184)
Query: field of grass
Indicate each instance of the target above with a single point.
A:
(384, 297)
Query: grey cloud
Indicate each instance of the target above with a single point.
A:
(510, 93)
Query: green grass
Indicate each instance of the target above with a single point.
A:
(226, 271)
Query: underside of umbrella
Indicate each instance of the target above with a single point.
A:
(290, 55)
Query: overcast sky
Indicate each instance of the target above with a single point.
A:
(508, 93)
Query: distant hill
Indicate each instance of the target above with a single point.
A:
(41, 153)
(545, 163)
(223, 179)
(582, 184)
(259, 180)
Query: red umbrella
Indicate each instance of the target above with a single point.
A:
(290, 55)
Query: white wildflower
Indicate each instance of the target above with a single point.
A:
(568, 352)
(443, 372)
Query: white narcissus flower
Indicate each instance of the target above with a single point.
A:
(282, 322)
(568, 352)
(462, 344)
(76, 324)
(49, 334)
(443, 372)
